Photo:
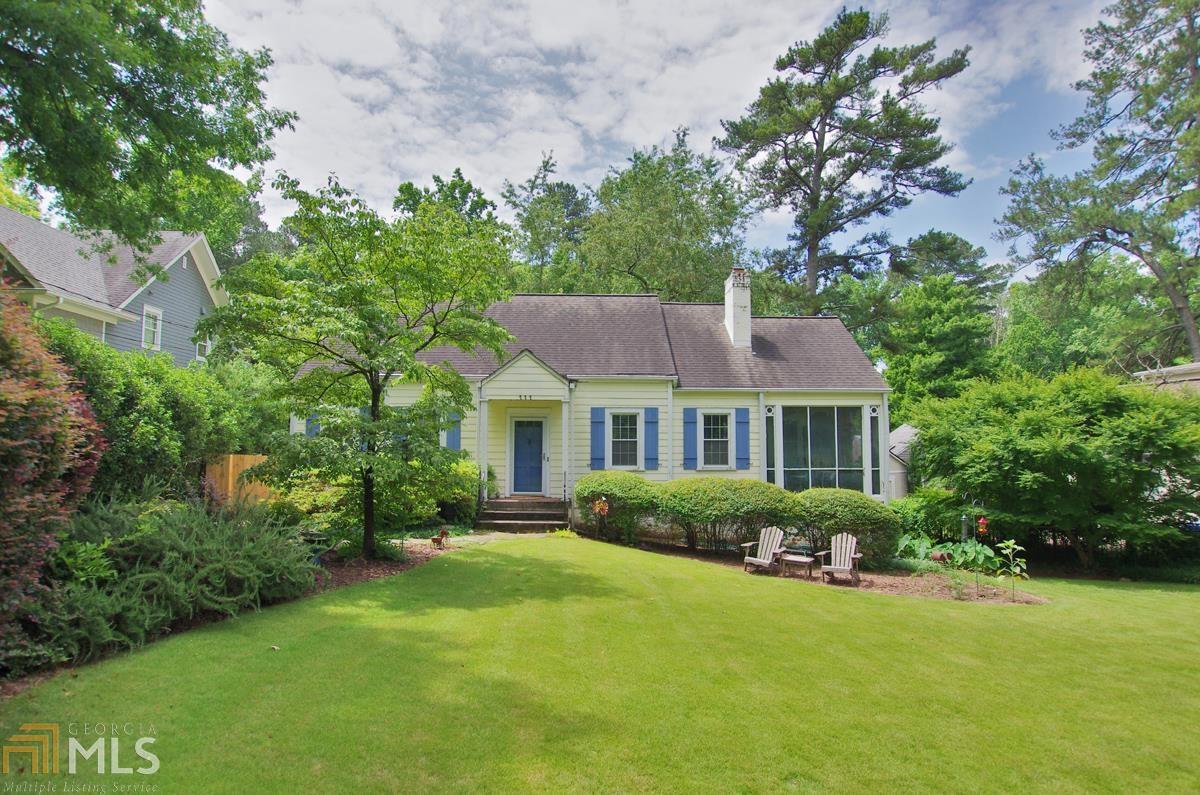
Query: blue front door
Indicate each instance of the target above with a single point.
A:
(527, 456)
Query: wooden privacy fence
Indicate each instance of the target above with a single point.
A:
(225, 476)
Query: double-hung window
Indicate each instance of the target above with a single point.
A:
(202, 349)
(716, 434)
(152, 320)
(625, 440)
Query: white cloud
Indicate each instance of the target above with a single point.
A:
(389, 92)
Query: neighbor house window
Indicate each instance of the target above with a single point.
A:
(624, 442)
(151, 328)
(202, 348)
(820, 446)
(714, 438)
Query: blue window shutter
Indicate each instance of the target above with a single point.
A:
(689, 438)
(311, 426)
(454, 432)
(597, 437)
(650, 445)
(742, 420)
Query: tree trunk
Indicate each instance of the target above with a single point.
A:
(1179, 302)
(812, 264)
(368, 546)
(1083, 551)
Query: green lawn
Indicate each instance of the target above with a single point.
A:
(555, 664)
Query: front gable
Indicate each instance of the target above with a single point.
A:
(525, 377)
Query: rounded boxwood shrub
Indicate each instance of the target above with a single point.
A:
(826, 512)
(717, 512)
(630, 499)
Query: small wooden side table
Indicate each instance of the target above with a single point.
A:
(789, 557)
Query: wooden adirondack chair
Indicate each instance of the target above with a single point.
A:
(843, 557)
(766, 549)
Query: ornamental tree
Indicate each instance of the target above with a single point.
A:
(349, 312)
(49, 448)
(1081, 454)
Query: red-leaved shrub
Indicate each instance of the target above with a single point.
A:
(50, 446)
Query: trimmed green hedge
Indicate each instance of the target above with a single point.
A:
(827, 512)
(719, 512)
(630, 500)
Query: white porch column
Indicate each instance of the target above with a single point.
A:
(670, 431)
(481, 432)
(566, 447)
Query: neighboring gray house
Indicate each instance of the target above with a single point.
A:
(61, 275)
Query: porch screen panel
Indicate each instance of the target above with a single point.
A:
(795, 447)
(822, 447)
(850, 448)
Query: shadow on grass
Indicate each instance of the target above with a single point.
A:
(475, 579)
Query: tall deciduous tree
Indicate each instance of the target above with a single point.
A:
(938, 342)
(670, 223)
(1108, 313)
(349, 312)
(841, 137)
(16, 192)
(104, 101)
(1141, 195)
(550, 216)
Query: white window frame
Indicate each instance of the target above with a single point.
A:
(871, 447)
(731, 457)
(641, 439)
(157, 314)
(207, 343)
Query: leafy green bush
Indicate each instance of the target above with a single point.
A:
(629, 499)
(1099, 461)
(826, 512)
(931, 512)
(718, 513)
(160, 420)
(459, 501)
(160, 563)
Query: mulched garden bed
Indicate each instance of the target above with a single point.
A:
(341, 573)
(928, 586)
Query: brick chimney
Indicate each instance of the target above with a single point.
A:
(737, 307)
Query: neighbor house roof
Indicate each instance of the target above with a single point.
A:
(900, 442)
(68, 264)
(622, 335)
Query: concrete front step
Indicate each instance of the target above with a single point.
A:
(520, 525)
(549, 515)
(523, 515)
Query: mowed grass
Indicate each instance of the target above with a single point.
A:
(566, 664)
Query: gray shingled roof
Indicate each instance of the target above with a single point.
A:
(65, 262)
(598, 335)
(577, 335)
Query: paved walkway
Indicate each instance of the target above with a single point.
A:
(478, 538)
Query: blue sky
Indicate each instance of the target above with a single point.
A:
(389, 92)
